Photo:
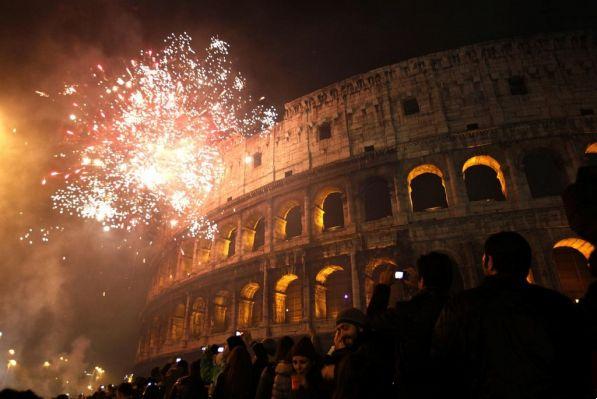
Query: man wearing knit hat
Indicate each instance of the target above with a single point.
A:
(350, 324)
(357, 347)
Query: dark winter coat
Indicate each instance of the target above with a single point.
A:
(410, 324)
(266, 382)
(510, 339)
(282, 383)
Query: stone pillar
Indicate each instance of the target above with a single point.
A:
(306, 284)
(517, 187)
(308, 206)
(454, 180)
(265, 303)
(351, 204)
(233, 307)
(356, 286)
(185, 328)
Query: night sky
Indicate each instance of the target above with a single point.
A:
(284, 49)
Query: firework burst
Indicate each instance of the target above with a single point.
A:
(148, 142)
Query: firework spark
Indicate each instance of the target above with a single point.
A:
(148, 142)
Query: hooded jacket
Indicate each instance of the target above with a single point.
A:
(282, 383)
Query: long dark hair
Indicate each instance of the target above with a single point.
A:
(237, 373)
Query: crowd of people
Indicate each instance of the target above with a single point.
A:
(506, 338)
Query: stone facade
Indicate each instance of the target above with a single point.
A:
(433, 153)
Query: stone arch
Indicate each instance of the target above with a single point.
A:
(249, 307)
(544, 172)
(571, 256)
(373, 270)
(187, 254)
(254, 232)
(377, 198)
(591, 154)
(176, 324)
(288, 300)
(197, 321)
(426, 188)
(330, 201)
(228, 238)
(288, 220)
(332, 285)
(221, 302)
(155, 335)
(481, 184)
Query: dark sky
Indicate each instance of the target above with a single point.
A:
(284, 49)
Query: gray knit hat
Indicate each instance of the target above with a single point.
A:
(352, 316)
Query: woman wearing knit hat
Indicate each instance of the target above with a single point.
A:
(306, 378)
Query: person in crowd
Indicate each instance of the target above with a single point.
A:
(179, 369)
(153, 388)
(588, 306)
(208, 364)
(270, 347)
(260, 362)
(124, 391)
(266, 381)
(191, 386)
(353, 342)
(8, 393)
(235, 382)
(508, 338)
(410, 324)
(306, 380)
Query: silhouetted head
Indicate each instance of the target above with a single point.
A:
(435, 271)
(124, 391)
(284, 346)
(507, 253)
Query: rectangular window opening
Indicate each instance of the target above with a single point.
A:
(256, 159)
(369, 148)
(518, 86)
(288, 173)
(472, 126)
(587, 111)
(410, 106)
(325, 131)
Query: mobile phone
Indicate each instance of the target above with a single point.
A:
(399, 275)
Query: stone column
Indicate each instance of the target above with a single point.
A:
(233, 306)
(185, 328)
(307, 292)
(455, 187)
(356, 286)
(265, 303)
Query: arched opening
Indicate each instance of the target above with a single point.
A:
(377, 201)
(545, 173)
(259, 239)
(591, 154)
(177, 323)
(373, 273)
(154, 335)
(332, 292)
(571, 257)
(288, 307)
(427, 189)
(484, 179)
(187, 251)
(249, 307)
(231, 243)
(333, 212)
(294, 226)
(197, 318)
(220, 314)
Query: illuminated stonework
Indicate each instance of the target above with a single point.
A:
(342, 191)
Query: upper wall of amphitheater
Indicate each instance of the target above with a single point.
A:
(494, 86)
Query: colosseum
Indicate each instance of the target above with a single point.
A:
(430, 154)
